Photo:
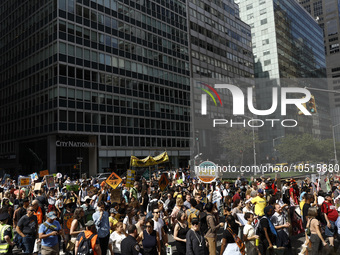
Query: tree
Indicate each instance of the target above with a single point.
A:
(296, 148)
(238, 143)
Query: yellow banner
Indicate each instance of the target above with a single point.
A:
(150, 161)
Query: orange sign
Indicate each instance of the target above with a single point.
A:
(43, 173)
(163, 182)
(113, 180)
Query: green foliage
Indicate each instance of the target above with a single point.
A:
(305, 147)
(238, 143)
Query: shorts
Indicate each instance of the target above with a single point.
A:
(330, 231)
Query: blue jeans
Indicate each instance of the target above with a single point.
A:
(28, 243)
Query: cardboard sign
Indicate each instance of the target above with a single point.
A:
(43, 173)
(24, 181)
(91, 191)
(130, 178)
(74, 188)
(241, 219)
(68, 218)
(115, 196)
(50, 181)
(114, 180)
(37, 186)
(163, 182)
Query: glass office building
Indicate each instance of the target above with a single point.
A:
(287, 43)
(327, 15)
(92, 81)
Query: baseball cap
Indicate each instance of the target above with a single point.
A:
(51, 215)
(195, 221)
(260, 191)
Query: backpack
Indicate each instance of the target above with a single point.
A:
(321, 216)
(238, 241)
(204, 223)
(85, 247)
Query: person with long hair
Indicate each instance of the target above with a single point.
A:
(116, 238)
(130, 218)
(229, 246)
(196, 243)
(177, 208)
(313, 235)
(150, 239)
(77, 224)
(180, 232)
(237, 208)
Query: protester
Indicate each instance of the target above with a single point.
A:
(116, 238)
(89, 234)
(129, 245)
(49, 232)
(196, 243)
(180, 231)
(331, 215)
(213, 227)
(7, 235)
(313, 232)
(150, 239)
(249, 236)
(101, 220)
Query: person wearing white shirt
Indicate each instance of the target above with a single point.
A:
(116, 238)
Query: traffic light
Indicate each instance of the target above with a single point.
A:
(74, 166)
(197, 135)
(312, 105)
(300, 112)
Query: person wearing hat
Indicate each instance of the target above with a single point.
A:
(48, 233)
(89, 233)
(196, 243)
(134, 191)
(129, 245)
(331, 215)
(6, 235)
(260, 203)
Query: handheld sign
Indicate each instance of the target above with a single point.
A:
(114, 180)
(43, 173)
(163, 182)
(130, 178)
(50, 181)
(24, 181)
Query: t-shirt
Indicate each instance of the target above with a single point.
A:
(158, 227)
(127, 222)
(249, 231)
(113, 221)
(28, 225)
(260, 205)
(264, 224)
(228, 236)
(116, 240)
(305, 208)
(330, 210)
(51, 240)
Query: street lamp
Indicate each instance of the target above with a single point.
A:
(274, 146)
(335, 157)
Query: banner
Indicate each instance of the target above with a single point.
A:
(130, 178)
(24, 181)
(43, 173)
(149, 161)
(50, 181)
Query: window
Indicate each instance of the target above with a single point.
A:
(264, 21)
(250, 16)
(267, 52)
(264, 31)
(265, 42)
(249, 6)
(267, 62)
(263, 11)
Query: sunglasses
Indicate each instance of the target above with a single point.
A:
(155, 212)
(32, 210)
(195, 224)
(148, 226)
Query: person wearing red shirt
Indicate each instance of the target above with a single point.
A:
(237, 195)
(331, 215)
(294, 193)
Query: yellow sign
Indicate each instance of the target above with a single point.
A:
(114, 180)
(24, 181)
(163, 182)
(149, 161)
(130, 178)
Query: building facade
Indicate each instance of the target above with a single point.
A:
(327, 15)
(92, 81)
(287, 44)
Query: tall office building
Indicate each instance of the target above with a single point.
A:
(287, 43)
(327, 15)
(92, 82)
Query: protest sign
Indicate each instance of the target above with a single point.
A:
(113, 180)
(24, 181)
(91, 191)
(130, 178)
(43, 173)
(74, 188)
(216, 196)
(68, 218)
(115, 195)
(37, 186)
(50, 181)
(34, 176)
(163, 182)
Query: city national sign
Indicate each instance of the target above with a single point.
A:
(59, 143)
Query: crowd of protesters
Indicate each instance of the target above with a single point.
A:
(257, 216)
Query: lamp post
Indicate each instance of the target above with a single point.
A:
(254, 148)
(335, 156)
(274, 144)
